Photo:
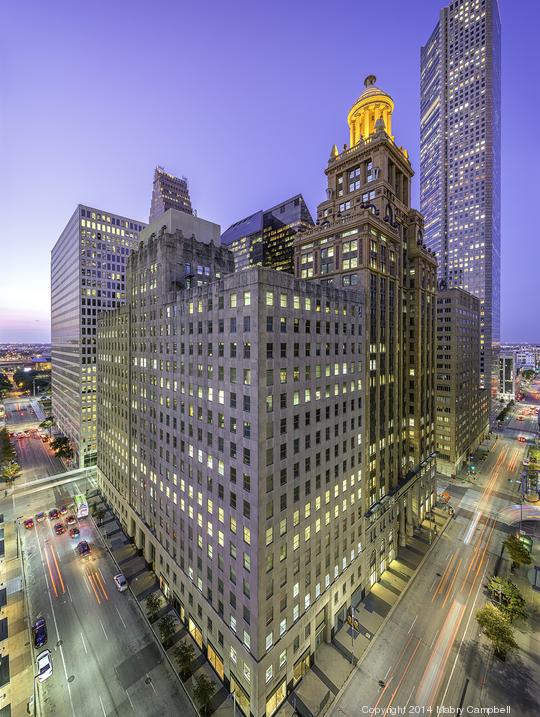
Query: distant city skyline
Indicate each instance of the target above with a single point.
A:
(57, 155)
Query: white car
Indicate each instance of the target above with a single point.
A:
(44, 665)
(120, 582)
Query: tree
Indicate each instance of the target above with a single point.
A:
(497, 628)
(167, 628)
(519, 555)
(184, 654)
(7, 452)
(62, 447)
(203, 692)
(11, 471)
(47, 423)
(99, 515)
(153, 606)
(509, 600)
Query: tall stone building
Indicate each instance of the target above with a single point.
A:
(169, 192)
(87, 278)
(462, 408)
(368, 237)
(230, 446)
(266, 237)
(460, 147)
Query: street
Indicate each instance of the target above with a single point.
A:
(104, 658)
(427, 654)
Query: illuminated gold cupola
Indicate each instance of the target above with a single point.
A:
(372, 105)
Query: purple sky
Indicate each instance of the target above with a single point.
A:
(244, 99)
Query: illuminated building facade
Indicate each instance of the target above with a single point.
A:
(462, 408)
(369, 239)
(507, 375)
(169, 192)
(229, 434)
(266, 237)
(460, 128)
(87, 277)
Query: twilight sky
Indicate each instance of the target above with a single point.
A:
(244, 98)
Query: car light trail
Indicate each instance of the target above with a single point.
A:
(409, 641)
(444, 577)
(449, 590)
(472, 527)
(91, 581)
(50, 572)
(58, 571)
(433, 674)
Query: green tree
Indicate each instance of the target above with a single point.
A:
(203, 692)
(167, 628)
(519, 555)
(153, 605)
(184, 654)
(7, 452)
(497, 628)
(47, 424)
(11, 471)
(508, 598)
(62, 447)
(99, 514)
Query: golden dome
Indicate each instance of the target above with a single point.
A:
(372, 105)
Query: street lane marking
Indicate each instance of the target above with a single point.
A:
(121, 618)
(412, 624)
(151, 682)
(129, 700)
(433, 583)
(106, 636)
(83, 643)
(409, 697)
(69, 593)
(434, 638)
(101, 703)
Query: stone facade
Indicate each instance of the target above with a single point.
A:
(462, 406)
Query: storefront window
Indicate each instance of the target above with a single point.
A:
(276, 698)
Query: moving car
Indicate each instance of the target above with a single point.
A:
(39, 628)
(120, 582)
(44, 665)
(40, 517)
(54, 514)
(28, 523)
(45, 439)
(521, 439)
(59, 528)
(74, 533)
(83, 548)
(71, 520)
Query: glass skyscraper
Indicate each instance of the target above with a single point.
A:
(266, 237)
(460, 135)
(87, 277)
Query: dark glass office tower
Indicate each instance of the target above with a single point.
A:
(460, 134)
(265, 238)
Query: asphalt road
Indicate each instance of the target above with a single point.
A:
(105, 660)
(427, 653)
(19, 414)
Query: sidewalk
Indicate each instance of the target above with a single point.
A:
(143, 583)
(16, 667)
(334, 662)
(517, 681)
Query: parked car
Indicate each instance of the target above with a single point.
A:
(71, 520)
(44, 665)
(28, 523)
(63, 509)
(83, 548)
(45, 439)
(39, 628)
(54, 514)
(59, 528)
(40, 517)
(74, 532)
(120, 582)
(521, 439)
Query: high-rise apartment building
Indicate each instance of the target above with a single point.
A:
(462, 408)
(368, 238)
(169, 192)
(266, 237)
(230, 423)
(460, 135)
(87, 277)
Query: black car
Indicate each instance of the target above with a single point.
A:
(54, 514)
(83, 548)
(40, 632)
